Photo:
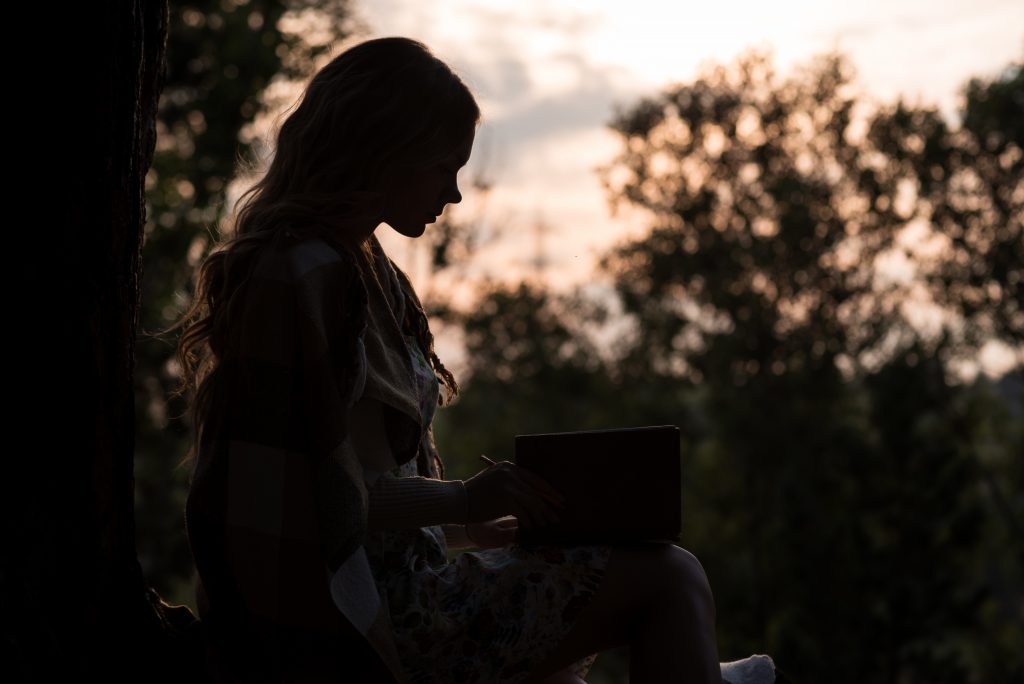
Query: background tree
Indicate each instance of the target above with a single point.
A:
(524, 352)
(850, 497)
(973, 182)
(846, 504)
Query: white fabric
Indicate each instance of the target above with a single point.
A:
(756, 669)
(361, 607)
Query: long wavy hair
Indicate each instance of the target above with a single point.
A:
(383, 102)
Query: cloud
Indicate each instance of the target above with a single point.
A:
(584, 101)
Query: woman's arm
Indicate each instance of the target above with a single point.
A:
(408, 502)
(399, 502)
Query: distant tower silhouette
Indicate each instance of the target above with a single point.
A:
(540, 259)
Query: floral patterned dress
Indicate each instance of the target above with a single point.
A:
(487, 616)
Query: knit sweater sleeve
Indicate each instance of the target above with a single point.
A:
(406, 502)
(400, 502)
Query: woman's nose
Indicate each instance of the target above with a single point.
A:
(454, 196)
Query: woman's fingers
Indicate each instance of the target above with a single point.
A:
(537, 510)
(541, 485)
(509, 489)
(535, 481)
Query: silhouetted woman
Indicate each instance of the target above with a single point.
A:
(318, 514)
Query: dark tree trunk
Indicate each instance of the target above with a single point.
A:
(74, 598)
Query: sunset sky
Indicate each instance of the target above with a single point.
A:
(548, 74)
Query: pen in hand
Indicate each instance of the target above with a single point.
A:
(557, 498)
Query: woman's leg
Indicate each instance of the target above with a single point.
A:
(655, 599)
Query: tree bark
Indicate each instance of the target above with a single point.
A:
(74, 599)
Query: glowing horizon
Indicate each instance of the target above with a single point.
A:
(548, 74)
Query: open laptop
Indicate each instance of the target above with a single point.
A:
(620, 485)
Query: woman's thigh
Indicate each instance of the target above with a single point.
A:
(637, 577)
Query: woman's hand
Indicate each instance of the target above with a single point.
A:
(505, 489)
(493, 533)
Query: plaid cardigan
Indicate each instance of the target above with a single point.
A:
(277, 507)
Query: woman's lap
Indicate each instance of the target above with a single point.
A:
(494, 613)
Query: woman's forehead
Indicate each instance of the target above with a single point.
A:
(463, 150)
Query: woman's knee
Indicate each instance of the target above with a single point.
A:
(694, 568)
(678, 579)
(646, 580)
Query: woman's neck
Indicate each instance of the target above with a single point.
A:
(363, 231)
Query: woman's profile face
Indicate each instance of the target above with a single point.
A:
(417, 196)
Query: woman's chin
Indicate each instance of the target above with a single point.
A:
(412, 231)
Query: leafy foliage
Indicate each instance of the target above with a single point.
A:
(849, 498)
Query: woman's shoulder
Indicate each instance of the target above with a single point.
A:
(304, 255)
(309, 261)
(320, 277)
